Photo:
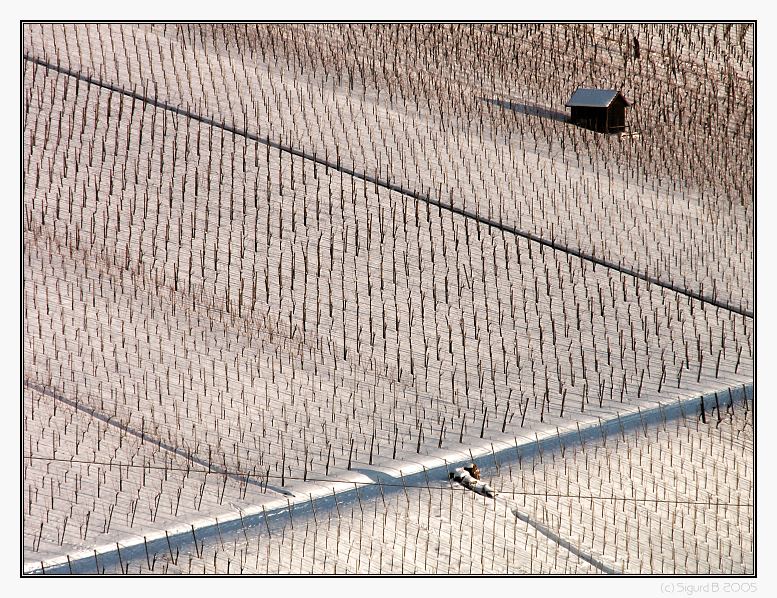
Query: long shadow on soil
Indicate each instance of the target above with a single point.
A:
(529, 109)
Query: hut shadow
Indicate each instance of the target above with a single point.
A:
(529, 109)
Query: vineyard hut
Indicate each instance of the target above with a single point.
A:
(602, 110)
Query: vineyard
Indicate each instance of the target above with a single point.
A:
(283, 278)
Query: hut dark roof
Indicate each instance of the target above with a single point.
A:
(594, 98)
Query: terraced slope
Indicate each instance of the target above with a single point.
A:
(257, 264)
